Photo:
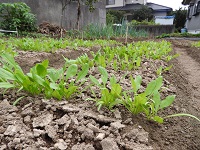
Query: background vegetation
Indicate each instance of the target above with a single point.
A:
(17, 16)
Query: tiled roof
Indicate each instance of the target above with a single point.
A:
(154, 7)
(186, 2)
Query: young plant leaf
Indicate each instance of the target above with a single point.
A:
(182, 114)
(17, 100)
(116, 89)
(6, 74)
(6, 85)
(136, 83)
(83, 72)
(157, 101)
(41, 70)
(154, 86)
(158, 119)
(104, 74)
(167, 101)
(71, 71)
(94, 80)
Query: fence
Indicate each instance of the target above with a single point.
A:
(155, 30)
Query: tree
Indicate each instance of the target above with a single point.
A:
(144, 13)
(114, 16)
(180, 18)
(17, 16)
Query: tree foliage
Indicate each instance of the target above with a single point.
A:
(17, 15)
(180, 18)
(144, 13)
(114, 16)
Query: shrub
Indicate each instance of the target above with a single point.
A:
(17, 15)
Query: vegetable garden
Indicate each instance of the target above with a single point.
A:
(112, 79)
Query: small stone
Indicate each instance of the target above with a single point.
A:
(93, 128)
(142, 137)
(37, 132)
(61, 144)
(100, 136)
(12, 130)
(117, 114)
(3, 147)
(27, 119)
(70, 108)
(83, 146)
(51, 131)
(64, 120)
(42, 120)
(27, 111)
(74, 120)
(6, 107)
(88, 133)
(117, 125)
(128, 121)
(16, 141)
(132, 134)
(109, 144)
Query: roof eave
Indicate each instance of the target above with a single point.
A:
(186, 2)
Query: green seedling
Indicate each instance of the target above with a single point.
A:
(110, 97)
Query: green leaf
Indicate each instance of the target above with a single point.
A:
(104, 74)
(136, 83)
(182, 114)
(41, 70)
(138, 62)
(71, 90)
(154, 86)
(167, 101)
(45, 63)
(83, 72)
(158, 119)
(17, 100)
(54, 74)
(57, 95)
(113, 80)
(156, 99)
(94, 80)
(71, 71)
(6, 85)
(6, 74)
(10, 59)
(39, 80)
(116, 89)
(54, 86)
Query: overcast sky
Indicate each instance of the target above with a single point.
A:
(175, 4)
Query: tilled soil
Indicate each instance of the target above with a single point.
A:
(36, 123)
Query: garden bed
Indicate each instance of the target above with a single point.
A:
(36, 122)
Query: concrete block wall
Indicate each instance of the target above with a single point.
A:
(51, 10)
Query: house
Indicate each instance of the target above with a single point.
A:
(51, 11)
(130, 5)
(193, 16)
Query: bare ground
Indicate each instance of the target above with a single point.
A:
(39, 124)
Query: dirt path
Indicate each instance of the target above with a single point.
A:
(181, 133)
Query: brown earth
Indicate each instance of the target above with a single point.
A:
(37, 123)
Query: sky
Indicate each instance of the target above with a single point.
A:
(175, 4)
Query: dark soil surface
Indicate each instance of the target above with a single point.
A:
(39, 124)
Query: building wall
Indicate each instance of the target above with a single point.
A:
(193, 21)
(135, 2)
(118, 3)
(160, 13)
(50, 11)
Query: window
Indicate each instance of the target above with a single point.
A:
(190, 11)
(195, 10)
(198, 7)
(110, 2)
